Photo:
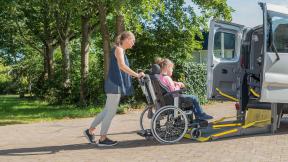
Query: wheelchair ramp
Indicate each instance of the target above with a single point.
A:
(256, 121)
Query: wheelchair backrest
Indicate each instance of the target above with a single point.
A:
(152, 87)
(146, 87)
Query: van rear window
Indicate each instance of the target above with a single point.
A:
(224, 45)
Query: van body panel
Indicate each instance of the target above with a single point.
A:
(274, 87)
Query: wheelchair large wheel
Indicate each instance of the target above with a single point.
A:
(169, 124)
(145, 118)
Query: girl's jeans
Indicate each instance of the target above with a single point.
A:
(197, 109)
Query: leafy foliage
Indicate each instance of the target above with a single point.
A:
(168, 28)
(194, 77)
(5, 78)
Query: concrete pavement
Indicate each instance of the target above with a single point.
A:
(62, 141)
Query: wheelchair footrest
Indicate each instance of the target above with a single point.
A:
(199, 123)
(145, 133)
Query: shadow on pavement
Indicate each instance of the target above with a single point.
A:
(44, 150)
(137, 143)
(55, 149)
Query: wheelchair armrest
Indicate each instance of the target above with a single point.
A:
(183, 90)
(175, 93)
(139, 70)
(180, 91)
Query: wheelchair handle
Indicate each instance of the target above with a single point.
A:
(139, 70)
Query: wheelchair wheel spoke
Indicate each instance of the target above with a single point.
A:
(169, 125)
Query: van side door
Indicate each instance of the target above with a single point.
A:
(223, 59)
(274, 87)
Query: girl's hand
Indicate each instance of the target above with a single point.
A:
(182, 85)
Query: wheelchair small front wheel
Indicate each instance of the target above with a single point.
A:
(195, 133)
(169, 124)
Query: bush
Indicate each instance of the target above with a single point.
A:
(5, 80)
(194, 77)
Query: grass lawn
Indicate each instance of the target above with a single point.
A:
(14, 110)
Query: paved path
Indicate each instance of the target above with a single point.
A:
(63, 141)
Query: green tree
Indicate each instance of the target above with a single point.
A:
(39, 23)
(89, 23)
(10, 40)
(177, 31)
(57, 32)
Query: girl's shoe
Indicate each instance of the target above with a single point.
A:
(205, 116)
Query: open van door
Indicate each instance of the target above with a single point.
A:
(223, 59)
(274, 87)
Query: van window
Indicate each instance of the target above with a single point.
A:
(280, 32)
(224, 45)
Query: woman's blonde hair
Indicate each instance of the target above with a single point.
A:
(121, 37)
(163, 62)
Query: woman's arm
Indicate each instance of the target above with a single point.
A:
(121, 63)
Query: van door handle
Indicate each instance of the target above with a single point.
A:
(224, 71)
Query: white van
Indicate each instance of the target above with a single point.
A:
(251, 64)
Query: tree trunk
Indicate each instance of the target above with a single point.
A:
(120, 26)
(66, 63)
(64, 33)
(51, 71)
(45, 63)
(48, 62)
(85, 38)
(105, 36)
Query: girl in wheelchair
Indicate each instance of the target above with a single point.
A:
(167, 66)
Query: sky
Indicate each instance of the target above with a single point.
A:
(248, 12)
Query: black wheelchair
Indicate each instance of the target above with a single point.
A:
(170, 118)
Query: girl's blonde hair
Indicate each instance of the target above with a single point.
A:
(121, 37)
(163, 62)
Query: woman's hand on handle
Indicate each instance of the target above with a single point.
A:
(140, 75)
